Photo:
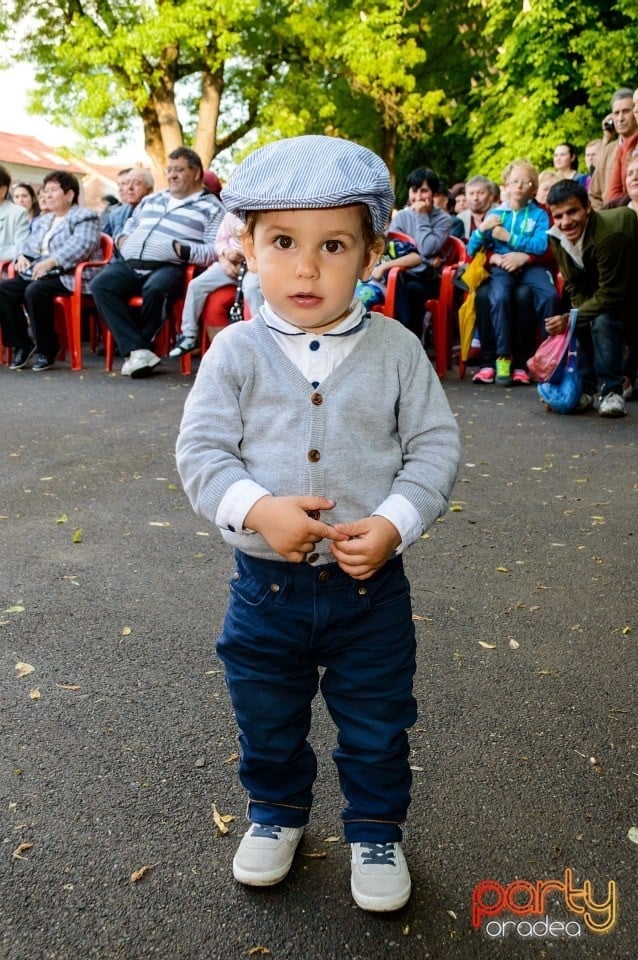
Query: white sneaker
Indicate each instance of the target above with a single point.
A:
(139, 364)
(380, 877)
(265, 854)
(612, 405)
(183, 345)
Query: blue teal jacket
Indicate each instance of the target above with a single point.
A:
(528, 228)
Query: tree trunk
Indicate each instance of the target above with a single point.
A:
(389, 148)
(154, 145)
(206, 134)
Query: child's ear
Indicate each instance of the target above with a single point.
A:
(371, 256)
(248, 247)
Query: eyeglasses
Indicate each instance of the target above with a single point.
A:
(520, 183)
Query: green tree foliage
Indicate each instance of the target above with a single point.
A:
(458, 85)
(265, 68)
(553, 69)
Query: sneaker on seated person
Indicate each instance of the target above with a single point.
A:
(183, 345)
(484, 375)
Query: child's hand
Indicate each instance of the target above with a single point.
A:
(230, 261)
(286, 525)
(490, 222)
(513, 261)
(372, 541)
(500, 233)
(380, 270)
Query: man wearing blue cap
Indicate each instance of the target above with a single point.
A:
(318, 439)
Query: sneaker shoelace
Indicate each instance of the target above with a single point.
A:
(266, 831)
(378, 854)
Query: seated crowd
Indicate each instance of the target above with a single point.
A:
(549, 241)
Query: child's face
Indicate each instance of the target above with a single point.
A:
(520, 187)
(308, 263)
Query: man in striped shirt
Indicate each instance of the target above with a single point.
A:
(166, 231)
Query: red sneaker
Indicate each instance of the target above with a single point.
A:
(484, 375)
(521, 376)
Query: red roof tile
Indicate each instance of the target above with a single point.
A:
(30, 152)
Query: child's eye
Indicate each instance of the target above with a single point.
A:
(283, 242)
(333, 246)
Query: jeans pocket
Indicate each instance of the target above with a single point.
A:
(246, 590)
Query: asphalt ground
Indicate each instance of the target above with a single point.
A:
(119, 740)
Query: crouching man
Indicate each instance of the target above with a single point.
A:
(597, 252)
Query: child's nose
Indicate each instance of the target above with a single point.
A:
(307, 265)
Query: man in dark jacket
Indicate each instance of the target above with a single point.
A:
(597, 252)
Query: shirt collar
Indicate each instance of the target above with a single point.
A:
(350, 324)
(574, 250)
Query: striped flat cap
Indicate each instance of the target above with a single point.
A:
(310, 173)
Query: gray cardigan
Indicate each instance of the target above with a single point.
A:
(378, 424)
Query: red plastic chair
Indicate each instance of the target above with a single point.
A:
(6, 270)
(453, 253)
(214, 314)
(70, 332)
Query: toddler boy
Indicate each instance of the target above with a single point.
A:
(317, 437)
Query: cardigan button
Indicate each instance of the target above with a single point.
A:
(314, 456)
(312, 557)
(317, 399)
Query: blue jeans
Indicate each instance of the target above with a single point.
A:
(600, 357)
(501, 287)
(283, 622)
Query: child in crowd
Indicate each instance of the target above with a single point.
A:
(372, 291)
(546, 180)
(319, 440)
(222, 273)
(513, 233)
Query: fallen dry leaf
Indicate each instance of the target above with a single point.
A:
(138, 874)
(232, 758)
(321, 855)
(221, 819)
(633, 834)
(126, 631)
(487, 646)
(513, 644)
(331, 839)
(17, 608)
(23, 669)
(77, 535)
(502, 570)
(159, 523)
(258, 949)
(19, 850)
(68, 686)
(35, 694)
(625, 631)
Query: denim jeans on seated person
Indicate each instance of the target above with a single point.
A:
(600, 355)
(500, 288)
(283, 623)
